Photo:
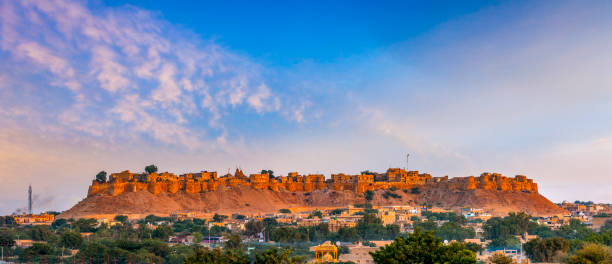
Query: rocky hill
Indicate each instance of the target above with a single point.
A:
(247, 200)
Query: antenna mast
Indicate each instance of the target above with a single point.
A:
(407, 158)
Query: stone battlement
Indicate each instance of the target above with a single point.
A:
(396, 178)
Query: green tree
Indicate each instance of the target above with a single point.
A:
(101, 176)
(123, 219)
(144, 232)
(269, 172)
(85, 225)
(545, 250)
(233, 242)
(421, 247)
(336, 212)
(163, 232)
(156, 247)
(253, 227)
(369, 195)
(7, 238)
(71, 240)
(284, 211)
(476, 248)
(275, 256)
(239, 217)
(219, 218)
(452, 231)
(269, 222)
(504, 242)
(316, 213)
(428, 225)
(94, 250)
(591, 253)
(511, 225)
(59, 223)
(150, 169)
(575, 230)
(206, 256)
(197, 237)
(519, 222)
(607, 226)
(348, 234)
(36, 250)
(41, 233)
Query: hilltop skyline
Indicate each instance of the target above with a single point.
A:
(509, 87)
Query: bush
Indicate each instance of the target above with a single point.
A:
(591, 253)
(388, 194)
(336, 212)
(284, 211)
(238, 216)
(500, 258)
(316, 213)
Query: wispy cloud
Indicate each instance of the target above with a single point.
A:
(150, 76)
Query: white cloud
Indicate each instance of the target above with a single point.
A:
(110, 73)
(263, 101)
(168, 90)
(127, 59)
(44, 57)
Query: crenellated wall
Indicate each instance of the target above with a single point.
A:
(394, 178)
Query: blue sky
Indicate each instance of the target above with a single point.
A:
(464, 87)
(285, 33)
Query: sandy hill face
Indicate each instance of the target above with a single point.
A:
(246, 200)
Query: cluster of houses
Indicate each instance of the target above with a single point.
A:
(594, 215)
(33, 219)
(591, 214)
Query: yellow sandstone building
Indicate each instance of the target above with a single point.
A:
(326, 253)
(395, 178)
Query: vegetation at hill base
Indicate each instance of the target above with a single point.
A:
(146, 240)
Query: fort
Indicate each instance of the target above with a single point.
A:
(393, 178)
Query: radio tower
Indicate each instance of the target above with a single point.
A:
(30, 199)
(407, 157)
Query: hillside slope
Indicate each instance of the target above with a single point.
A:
(246, 200)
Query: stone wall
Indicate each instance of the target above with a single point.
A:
(394, 178)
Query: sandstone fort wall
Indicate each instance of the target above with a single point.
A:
(395, 178)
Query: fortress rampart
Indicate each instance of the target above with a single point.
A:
(204, 181)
